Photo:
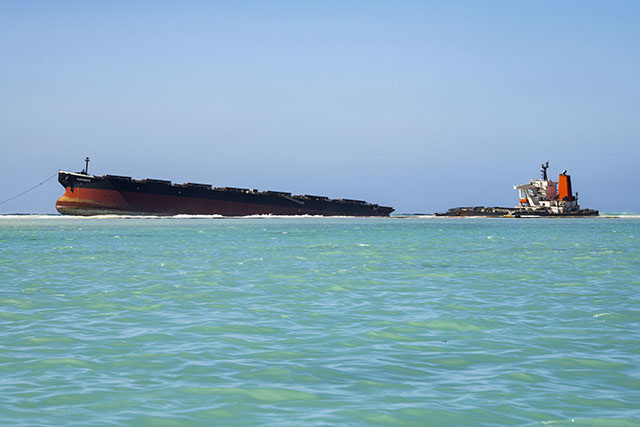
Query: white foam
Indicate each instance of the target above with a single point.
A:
(30, 216)
(601, 314)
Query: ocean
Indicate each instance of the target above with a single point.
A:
(319, 321)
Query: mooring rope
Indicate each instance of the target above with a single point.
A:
(29, 189)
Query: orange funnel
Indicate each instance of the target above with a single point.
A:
(564, 187)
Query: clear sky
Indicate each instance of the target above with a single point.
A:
(419, 105)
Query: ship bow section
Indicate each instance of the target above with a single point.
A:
(89, 195)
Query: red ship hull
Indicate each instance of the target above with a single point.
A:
(89, 201)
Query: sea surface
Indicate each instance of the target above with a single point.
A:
(319, 321)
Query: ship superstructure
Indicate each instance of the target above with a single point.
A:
(544, 194)
(540, 197)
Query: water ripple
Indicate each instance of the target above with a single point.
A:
(318, 321)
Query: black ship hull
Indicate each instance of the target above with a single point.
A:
(120, 195)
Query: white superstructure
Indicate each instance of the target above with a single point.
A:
(544, 194)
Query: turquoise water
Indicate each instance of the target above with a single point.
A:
(312, 321)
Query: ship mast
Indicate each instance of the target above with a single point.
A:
(86, 167)
(545, 166)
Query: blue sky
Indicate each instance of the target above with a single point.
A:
(418, 105)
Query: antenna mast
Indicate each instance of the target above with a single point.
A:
(86, 167)
(544, 170)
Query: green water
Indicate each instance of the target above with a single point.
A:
(311, 321)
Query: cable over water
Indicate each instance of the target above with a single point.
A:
(27, 190)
